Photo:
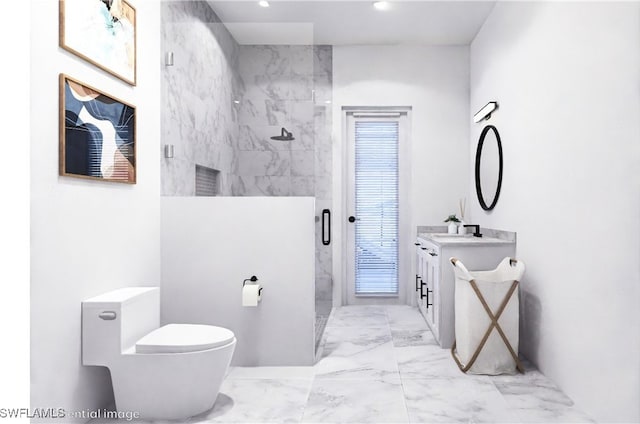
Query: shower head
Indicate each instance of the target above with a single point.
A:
(284, 136)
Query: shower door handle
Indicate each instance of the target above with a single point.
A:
(326, 227)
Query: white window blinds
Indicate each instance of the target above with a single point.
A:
(376, 207)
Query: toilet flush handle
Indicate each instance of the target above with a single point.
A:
(108, 315)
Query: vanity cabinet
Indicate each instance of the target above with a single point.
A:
(428, 284)
(435, 279)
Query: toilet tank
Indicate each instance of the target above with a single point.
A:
(112, 322)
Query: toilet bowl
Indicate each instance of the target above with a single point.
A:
(169, 372)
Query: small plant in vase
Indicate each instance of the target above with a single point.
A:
(453, 224)
(461, 227)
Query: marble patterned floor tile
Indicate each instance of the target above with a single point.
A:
(530, 390)
(455, 400)
(562, 416)
(537, 398)
(402, 338)
(353, 401)
(405, 317)
(357, 353)
(358, 335)
(426, 362)
(382, 364)
(360, 310)
(271, 373)
(259, 400)
(358, 316)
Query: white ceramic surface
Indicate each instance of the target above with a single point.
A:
(158, 385)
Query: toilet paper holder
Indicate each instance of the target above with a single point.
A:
(253, 279)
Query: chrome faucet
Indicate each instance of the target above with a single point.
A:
(476, 230)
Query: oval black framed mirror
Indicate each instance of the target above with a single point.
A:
(489, 167)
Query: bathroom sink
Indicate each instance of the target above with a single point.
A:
(454, 237)
(461, 238)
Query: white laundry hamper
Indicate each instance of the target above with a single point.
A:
(487, 318)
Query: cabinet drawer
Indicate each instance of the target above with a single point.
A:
(437, 273)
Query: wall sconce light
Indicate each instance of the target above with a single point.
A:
(485, 112)
(168, 151)
(168, 59)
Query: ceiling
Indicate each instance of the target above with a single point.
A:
(338, 22)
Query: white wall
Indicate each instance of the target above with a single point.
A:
(211, 244)
(14, 181)
(566, 76)
(434, 81)
(87, 237)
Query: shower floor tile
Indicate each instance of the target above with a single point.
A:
(381, 364)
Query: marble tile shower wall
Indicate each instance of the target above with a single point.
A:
(288, 87)
(277, 86)
(198, 115)
(279, 91)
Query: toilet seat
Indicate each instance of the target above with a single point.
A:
(182, 338)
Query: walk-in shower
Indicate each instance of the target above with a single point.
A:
(266, 131)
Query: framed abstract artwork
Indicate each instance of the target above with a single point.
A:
(102, 32)
(97, 134)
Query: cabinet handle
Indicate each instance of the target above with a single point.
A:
(433, 253)
(423, 295)
(417, 278)
(423, 248)
(417, 243)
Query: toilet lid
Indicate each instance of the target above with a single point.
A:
(181, 338)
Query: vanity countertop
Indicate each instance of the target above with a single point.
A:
(443, 239)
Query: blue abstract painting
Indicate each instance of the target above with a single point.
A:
(97, 134)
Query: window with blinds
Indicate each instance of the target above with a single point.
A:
(376, 207)
(206, 181)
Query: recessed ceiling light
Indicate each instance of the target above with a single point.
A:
(381, 5)
(263, 3)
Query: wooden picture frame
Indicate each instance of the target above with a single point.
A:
(97, 134)
(102, 32)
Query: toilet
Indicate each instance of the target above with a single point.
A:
(170, 372)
